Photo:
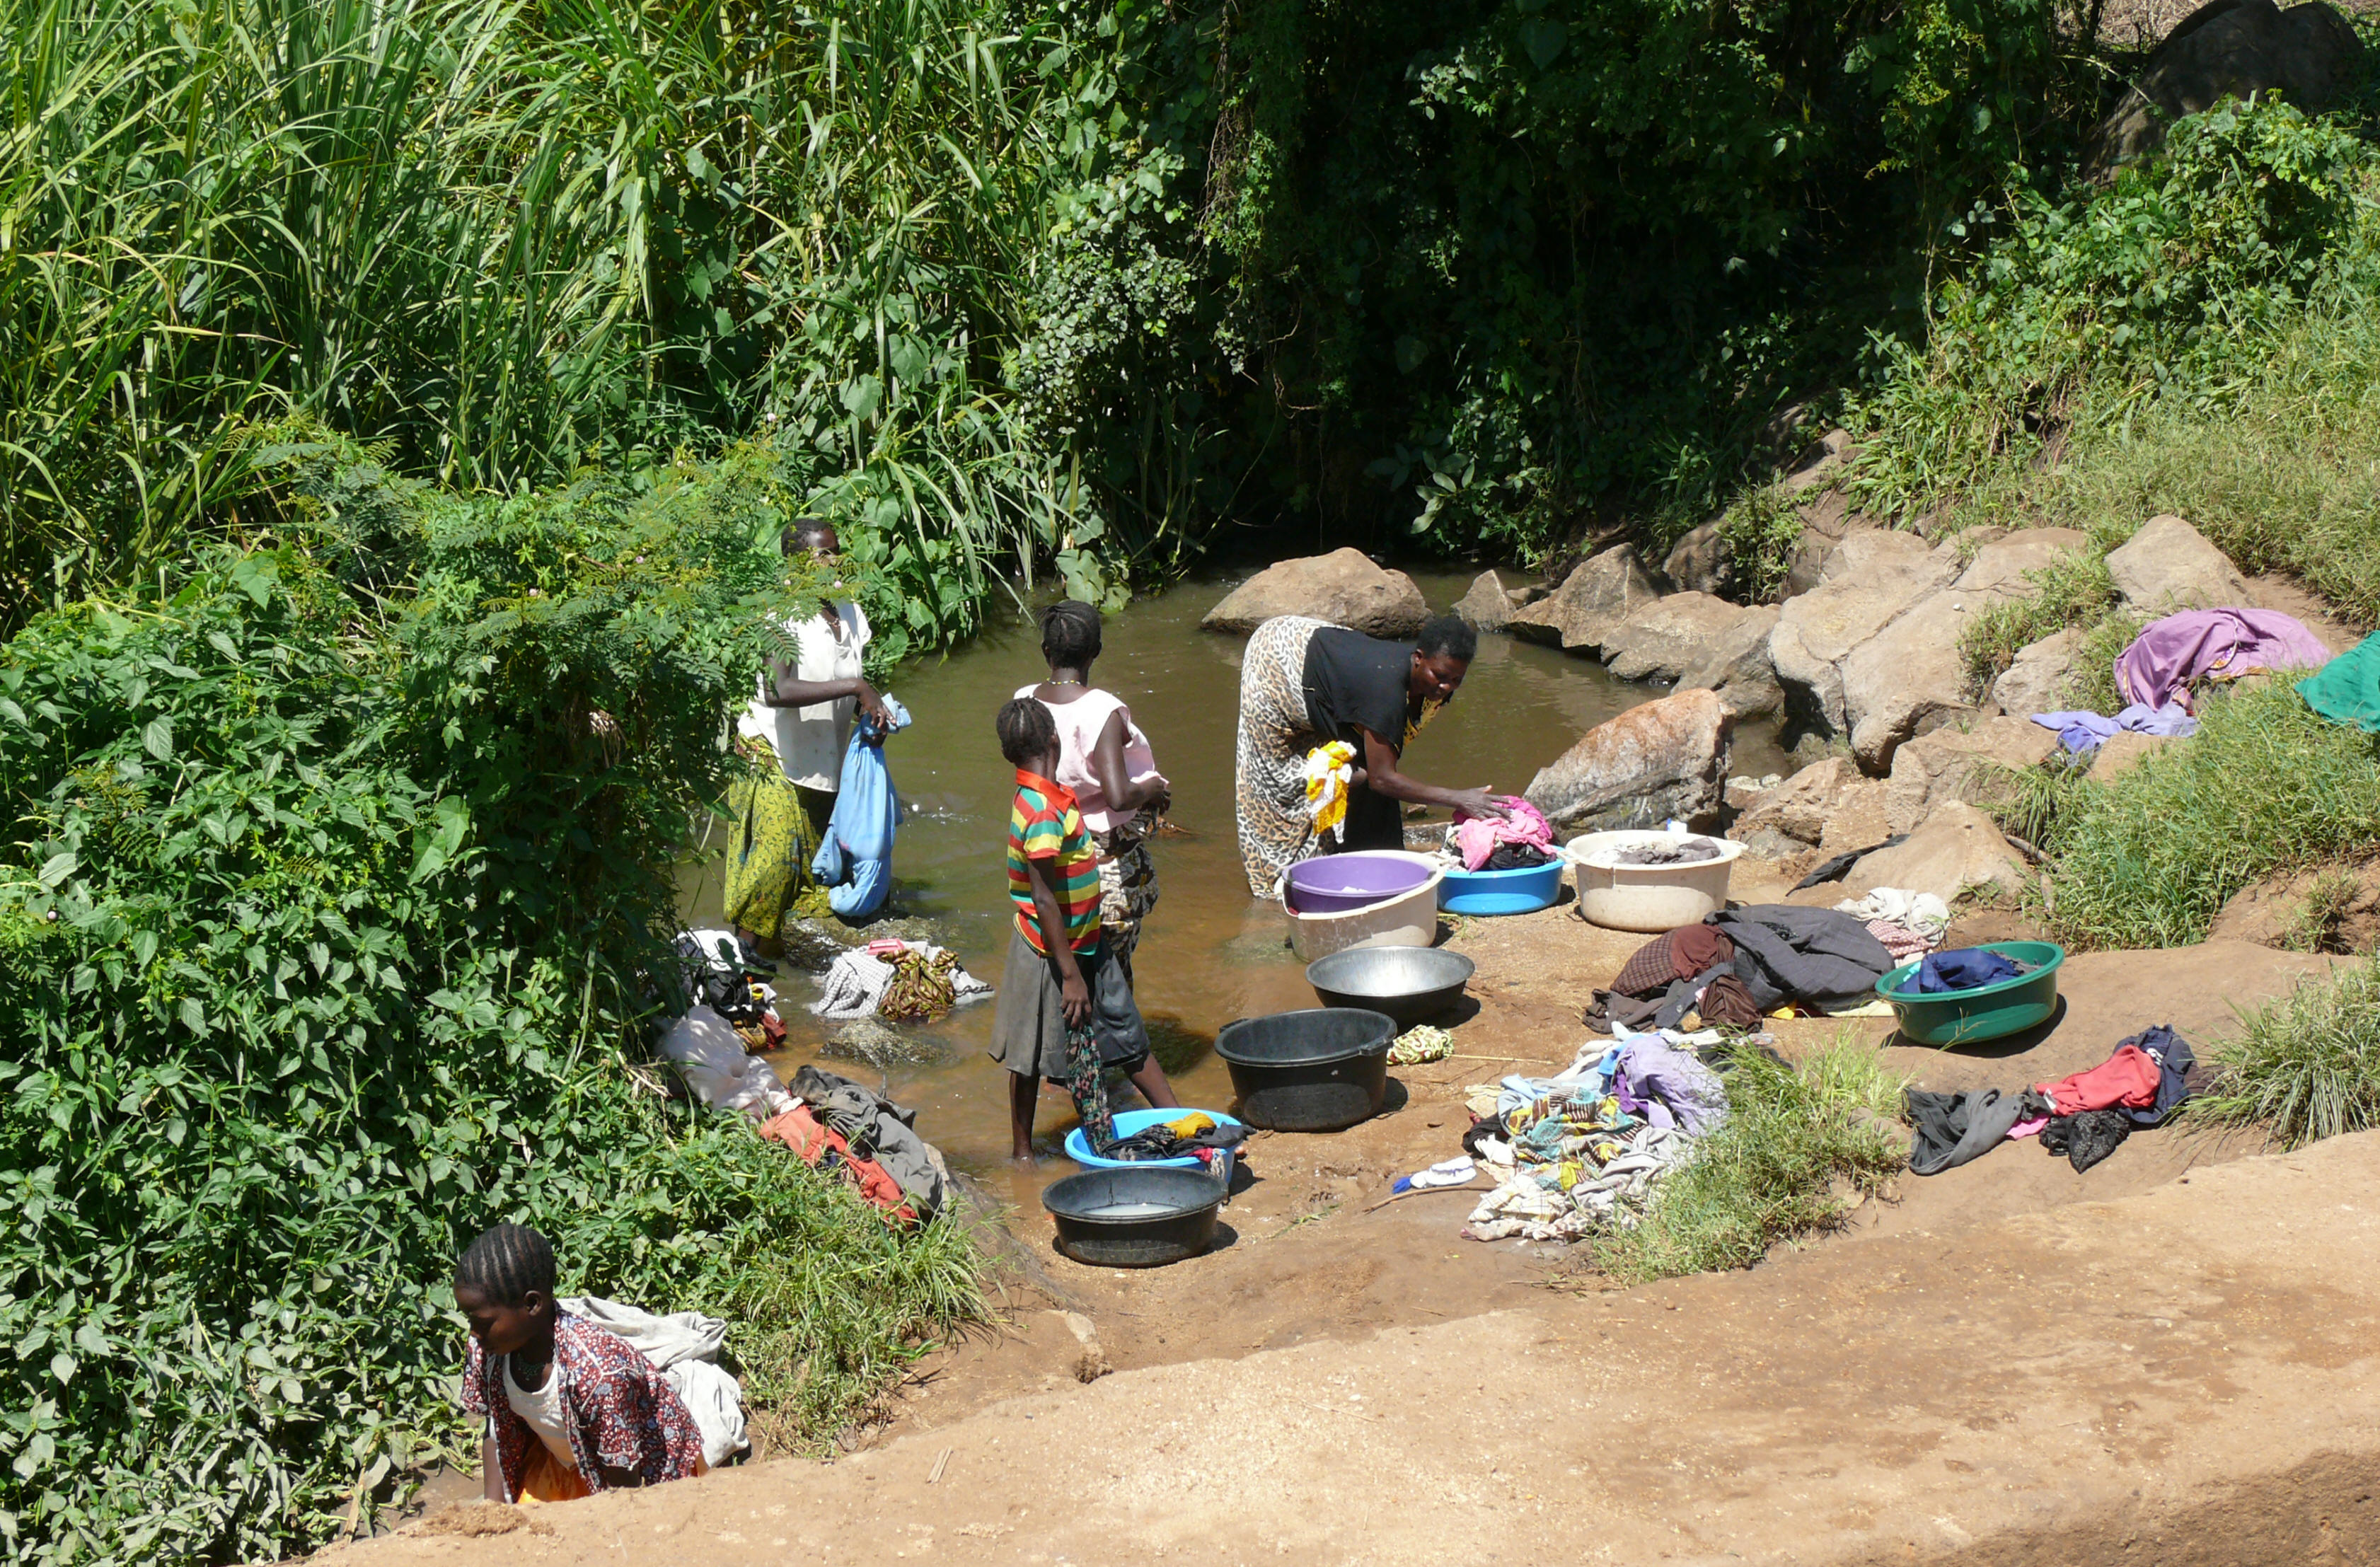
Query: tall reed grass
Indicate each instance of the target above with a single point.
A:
(499, 241)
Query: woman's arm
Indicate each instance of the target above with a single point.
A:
(1125, 796)
(1381, 775)
(785, 690)
(1074, 995)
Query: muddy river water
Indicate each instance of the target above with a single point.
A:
(1209, 952)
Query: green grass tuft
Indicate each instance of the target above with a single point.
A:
(1773, 1172)
(2306, 1066)
(2265, 784)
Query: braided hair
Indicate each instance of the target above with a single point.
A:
(504, 1264)
(1070, 634)
(1026, 731)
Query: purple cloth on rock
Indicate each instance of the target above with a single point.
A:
(2170, 653)
(1677, 1090)
(2083, 732)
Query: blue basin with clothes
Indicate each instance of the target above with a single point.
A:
(1521, 891)
(1127, 1122)
(1944, 1018)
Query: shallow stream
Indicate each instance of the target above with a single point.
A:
(1209, 952)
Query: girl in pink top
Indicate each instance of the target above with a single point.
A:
(1105, 760)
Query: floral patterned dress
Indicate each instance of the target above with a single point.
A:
(623, 1414)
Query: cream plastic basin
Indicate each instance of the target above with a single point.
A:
(1409, 920)
(1646, 897)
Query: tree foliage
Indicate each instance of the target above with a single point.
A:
(341, 913)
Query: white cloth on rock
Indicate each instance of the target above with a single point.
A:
(711, 1056)
(682, 1346)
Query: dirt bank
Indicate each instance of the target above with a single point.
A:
(2185, 1374)
(1979, 1357)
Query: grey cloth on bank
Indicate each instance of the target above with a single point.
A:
(1786, 953)
(1954, 1128)
(877, 1128)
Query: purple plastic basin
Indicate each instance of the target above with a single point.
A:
(1336, 883)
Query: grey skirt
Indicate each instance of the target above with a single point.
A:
(1028, 1024)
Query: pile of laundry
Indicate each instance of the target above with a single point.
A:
(833, 1122)
(905, 981)
(1193, 1133)
(1520, 839)
(684, 1346)
(1741, 964)
(1582, 1149)
(2085, 1116)
(2154, 674)
(1910, 924)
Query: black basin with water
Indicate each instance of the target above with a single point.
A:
(1320, 1070)
(1407, 983)
(1134, 1218)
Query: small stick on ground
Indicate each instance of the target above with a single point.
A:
(941, 1461)
(1400, 1197)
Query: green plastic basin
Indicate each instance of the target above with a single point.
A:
(1987, 1012)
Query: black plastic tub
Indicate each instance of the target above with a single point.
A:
(1320, 1070)
(1134, 1218)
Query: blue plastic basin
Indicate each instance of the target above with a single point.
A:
(1525, 890)
(1078, 1147)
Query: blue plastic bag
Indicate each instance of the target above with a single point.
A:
(854, 856)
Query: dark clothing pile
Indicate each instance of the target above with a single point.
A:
(1685, 851)
(1161, 1141)
(1964, 969)
(1516, 856)
(1819, 957)
(1954, 1128)
(2085, 1116)
(1741, 963)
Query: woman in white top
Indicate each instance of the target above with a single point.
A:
(1106, 760)
(798, 726)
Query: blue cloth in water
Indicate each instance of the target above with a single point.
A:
(1966, 968)
(854, 854)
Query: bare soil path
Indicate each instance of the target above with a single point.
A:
(2008, 1362)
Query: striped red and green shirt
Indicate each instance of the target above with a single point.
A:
(1044, 825)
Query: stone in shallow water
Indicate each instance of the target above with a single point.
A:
(879, 1044)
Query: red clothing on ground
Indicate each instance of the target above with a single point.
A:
(2128, 1078)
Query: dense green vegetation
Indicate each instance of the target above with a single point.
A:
(1043, 279)
(341, 912)
(1796, 1144)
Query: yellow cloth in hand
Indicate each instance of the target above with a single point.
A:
(1330, 770)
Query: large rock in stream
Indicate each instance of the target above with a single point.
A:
(1702, 642)
(1873, 576)
(1666, 759)
(1344, 587)
(1911, 678)
(1585, 613)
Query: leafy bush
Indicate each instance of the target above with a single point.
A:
(504, 242)
(345, 908)
(2306, 1066)
(1762, 534)
(2267, 783)
(1771, 1172)
(2169, 283)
